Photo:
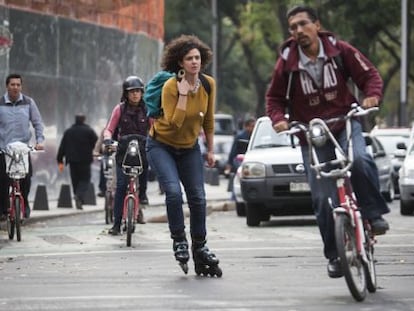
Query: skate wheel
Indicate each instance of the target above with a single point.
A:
(215, 271)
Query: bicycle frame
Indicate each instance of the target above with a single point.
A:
(131, 193)
(349, 206)
(353, 235)
(132, 167)
(14, 193)
(17, 167)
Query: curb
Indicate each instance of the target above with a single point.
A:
(212, 206)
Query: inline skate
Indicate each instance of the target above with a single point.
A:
(205, 262)
(180, 248)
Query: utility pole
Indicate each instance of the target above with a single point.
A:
(214, 38)
(404, 65)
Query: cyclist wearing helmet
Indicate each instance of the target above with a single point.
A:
(128, 117)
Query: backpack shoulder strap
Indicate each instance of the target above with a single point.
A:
(340, 63)
(205, 83)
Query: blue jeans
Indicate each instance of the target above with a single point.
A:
(364, 180)
(173, 166)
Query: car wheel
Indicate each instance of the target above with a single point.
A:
(265, 216)
(390, 194)
(253, 214)
(406, 207)
(241, 209)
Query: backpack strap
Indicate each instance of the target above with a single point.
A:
(205, 83)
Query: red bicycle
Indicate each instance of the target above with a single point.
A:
(132, 167)
(17, 167)
(108, 163)
(354, 237)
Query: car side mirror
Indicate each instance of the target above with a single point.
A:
(379, 153)
(368, 140)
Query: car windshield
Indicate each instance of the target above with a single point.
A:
(224, 127)
(390, 142)
(266, 137)
(222, 147)
(411, 150)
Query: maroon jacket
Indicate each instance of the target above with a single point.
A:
(334, 97)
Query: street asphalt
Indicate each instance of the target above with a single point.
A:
(218, 198)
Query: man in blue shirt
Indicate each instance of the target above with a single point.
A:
(17, 112)
(232, 162)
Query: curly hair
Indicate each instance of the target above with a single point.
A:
(175, 51)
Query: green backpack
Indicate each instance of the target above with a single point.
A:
(153, 90)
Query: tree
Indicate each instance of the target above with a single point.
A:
(250, 32)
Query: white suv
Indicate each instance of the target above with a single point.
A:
(273, 180)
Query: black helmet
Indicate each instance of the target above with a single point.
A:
(132, 83)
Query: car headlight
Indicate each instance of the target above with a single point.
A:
(253, 170)
(317, 135)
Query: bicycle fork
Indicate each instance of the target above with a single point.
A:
(348, 206)
(15, 193)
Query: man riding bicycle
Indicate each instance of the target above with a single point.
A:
(310, 80)
(17, 112)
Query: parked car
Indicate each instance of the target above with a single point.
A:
(237, 195)
(222, 148)
(273, 180)
(393, 141)
(406, 182)
(224, 133)
(384, 165)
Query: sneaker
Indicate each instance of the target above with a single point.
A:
(379, 226)
(334, 268)
(115, 230)
(101, 194)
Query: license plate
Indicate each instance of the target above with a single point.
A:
(299, 187)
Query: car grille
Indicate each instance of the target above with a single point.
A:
(287, 169)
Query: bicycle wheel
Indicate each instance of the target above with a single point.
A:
(18, 218)
(111, 208)
(107, 207)
(10, 226)
(130, 220)
(351, 263)
(370, 272)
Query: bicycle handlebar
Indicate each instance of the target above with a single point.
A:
(320, 126)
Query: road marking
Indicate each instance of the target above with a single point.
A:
(106, 297)
(168, 250)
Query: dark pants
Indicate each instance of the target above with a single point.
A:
(80, 174)
(5, 182)
(364, 180)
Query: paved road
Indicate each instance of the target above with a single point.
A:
(70, 263)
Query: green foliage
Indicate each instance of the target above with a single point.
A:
(251, 31)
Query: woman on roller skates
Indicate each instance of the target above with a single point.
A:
(187, 102)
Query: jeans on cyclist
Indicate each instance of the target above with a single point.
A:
(173, 166)
(365, 183)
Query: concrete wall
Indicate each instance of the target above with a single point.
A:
(70, 67)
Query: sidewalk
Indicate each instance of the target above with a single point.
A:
(217, 199)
